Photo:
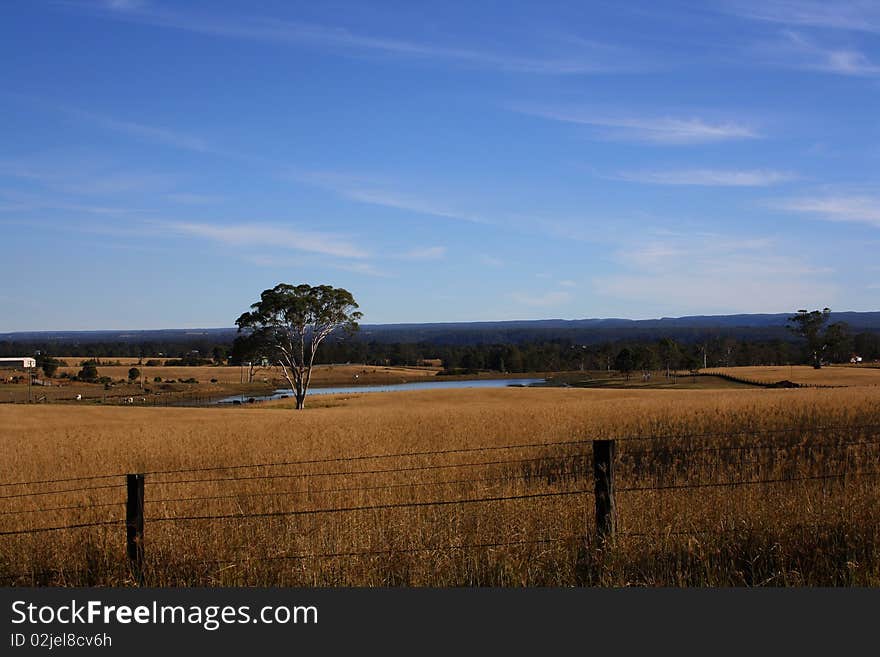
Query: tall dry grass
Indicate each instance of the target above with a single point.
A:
(799, 532)
(836, 375)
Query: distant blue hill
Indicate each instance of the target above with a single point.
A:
(587, 331)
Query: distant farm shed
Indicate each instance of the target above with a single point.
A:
(17, 363)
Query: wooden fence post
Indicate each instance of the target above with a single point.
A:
(603, 475)
(134, 525)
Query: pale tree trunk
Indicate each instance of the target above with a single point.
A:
(297, 363)
(292, 368)
(302, 389)
(293, 374)
(290, 376)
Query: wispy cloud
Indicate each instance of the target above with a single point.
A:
(119, 183)
(145, 132)
(490, 260)
(365, 268)
(671, 250)
(859, 209)
(400, 201)
(546, 299)
(855, 15)
(151, 133)
(187, 198)
(714, 293)
(374, 191)
(24, 202)
(85, 177)
(794, 50)
(714, 273)
(285, 262)
(124, 5)
(558, 57)
(426, 253)
(273, 236)
(649, 129)
(709, 177)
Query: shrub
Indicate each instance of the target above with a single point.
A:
(89, 371)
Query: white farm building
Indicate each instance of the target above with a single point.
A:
(17, 363)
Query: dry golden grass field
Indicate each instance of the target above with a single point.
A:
(726, 487)
(806, 375)
(217, 382)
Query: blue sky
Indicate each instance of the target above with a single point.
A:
(163, 162)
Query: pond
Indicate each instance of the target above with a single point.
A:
(391, 387)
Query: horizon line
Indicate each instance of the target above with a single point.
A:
(446, 323)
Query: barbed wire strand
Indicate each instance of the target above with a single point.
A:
(621, 439)
(61, 508)
(721, 484)
(335, 459)
(37, 530)
(745, 448)
(62, 480)
(306, 491)
(371, 507)
(339, 473)
(62, 490)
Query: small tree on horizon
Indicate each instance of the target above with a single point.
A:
(624, 362)
(670, 352)
(49, 365)
(293, 321)
(89, 371)
(808, 325)
(838, 342)
(249, 349)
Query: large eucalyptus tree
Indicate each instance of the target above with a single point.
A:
(292, 321)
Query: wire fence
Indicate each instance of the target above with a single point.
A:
(786, 455)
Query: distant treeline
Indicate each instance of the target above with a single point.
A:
(559, 355)
(536, 355)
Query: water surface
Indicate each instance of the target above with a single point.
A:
(390, 387)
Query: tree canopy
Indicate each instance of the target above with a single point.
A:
(808, 325)
(290, 322)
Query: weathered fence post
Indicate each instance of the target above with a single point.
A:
(134, 525)
(603, 475)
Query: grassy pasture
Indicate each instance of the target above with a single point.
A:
(794, 533)
(835, 375)
(322, 374)
(636, 381)
(228, 382)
